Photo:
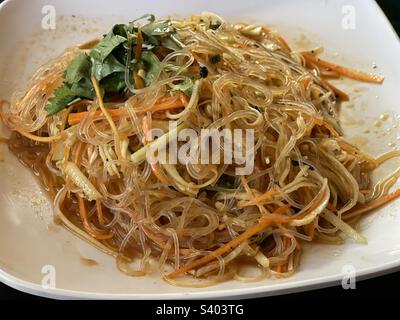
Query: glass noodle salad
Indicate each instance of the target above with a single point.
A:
(84, 127)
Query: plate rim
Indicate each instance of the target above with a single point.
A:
(234, 293)
(239, 293)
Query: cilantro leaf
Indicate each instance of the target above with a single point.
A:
(106, 62)
(83, 89)
(78, 69)
(123, 30)
(158, 28)
(186, 86)
(152, 65)
(114, 83)
(102, 69)
(169, 43)
(104, 48)
(62, 97)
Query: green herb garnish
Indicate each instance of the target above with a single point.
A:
(215, 24)
(107, 62)
(62, 98)
(186, 86)
(152, 65)
(215, 58)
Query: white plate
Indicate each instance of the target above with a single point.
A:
(28, 239)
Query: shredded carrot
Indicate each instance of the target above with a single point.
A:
(259, 199)
(331, 207)
(168, 103)
(264, 29)
(348, 161)
(139, 84)
(184, 99)
(349, 148)
(338, 92)
(86, 223)
(322, 123)
(99, 212)
(2, 102)
(283, 43)
(138, 51)
(179, 101)
(4, 139)
(308, 194)
(75, 118)
(264, 222)
(344, 71)
(371, 205)
(326, 73)
(313, 52)
(282, 209)
(251, 194)
(89, 44)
